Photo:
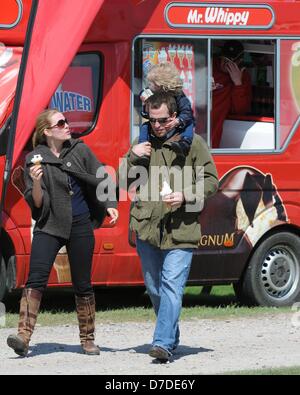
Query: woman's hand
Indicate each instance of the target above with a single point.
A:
(235, 73)
(36, 173)
(114, 214)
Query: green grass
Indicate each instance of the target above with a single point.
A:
(124, 306)
(291, 370)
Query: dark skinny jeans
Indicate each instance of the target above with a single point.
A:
(80, 247)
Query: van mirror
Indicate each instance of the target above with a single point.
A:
(4, 133)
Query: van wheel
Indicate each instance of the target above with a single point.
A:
(2, 279)
(273, 274)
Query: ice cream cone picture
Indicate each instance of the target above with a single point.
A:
(181, 54)
(172, 53)
(162, 55)
(189, 55)
(37, 159)
(62, 267)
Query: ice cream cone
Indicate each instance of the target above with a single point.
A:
(37, 160)
(166, 190)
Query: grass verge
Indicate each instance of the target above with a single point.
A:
(114, 306)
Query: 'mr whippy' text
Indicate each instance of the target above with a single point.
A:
(213, 15)
(209, 15)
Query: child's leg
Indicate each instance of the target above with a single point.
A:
(182, 147)
(187, 134)
(144, 133)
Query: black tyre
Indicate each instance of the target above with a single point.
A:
(2, 279)
(273, 274)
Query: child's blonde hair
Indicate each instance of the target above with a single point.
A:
(166, 76)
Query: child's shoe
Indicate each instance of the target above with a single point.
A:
(182, 148)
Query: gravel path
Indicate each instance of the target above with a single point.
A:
(207, 347)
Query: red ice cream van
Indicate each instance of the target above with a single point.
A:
(89, 59)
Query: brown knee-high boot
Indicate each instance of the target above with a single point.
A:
(86, 306)
(29, 309)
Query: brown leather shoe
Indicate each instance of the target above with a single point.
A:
(18, 344)
(89, 348)
(160, 354)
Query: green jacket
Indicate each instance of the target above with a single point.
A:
(154, 221)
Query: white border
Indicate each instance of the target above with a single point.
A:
(20, 13)
(216, 5)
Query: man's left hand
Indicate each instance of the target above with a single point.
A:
(174, 199)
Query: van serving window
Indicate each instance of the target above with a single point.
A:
(243, 94)
(190, 57)
(77, 95)
(239, 91)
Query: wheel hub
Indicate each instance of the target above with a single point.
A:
(278, 272)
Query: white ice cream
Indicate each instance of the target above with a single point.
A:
(166, 190)
(37, 159)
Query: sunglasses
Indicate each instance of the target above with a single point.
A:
(60, 124)
(161, 121)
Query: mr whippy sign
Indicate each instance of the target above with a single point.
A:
(225, 16)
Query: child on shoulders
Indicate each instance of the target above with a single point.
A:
(165, 77)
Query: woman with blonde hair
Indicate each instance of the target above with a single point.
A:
(61, 182)
(164, 77)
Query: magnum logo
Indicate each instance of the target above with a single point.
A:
(226, 240)
(246, 206)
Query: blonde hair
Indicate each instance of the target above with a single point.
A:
(42, 123)
(166, 76)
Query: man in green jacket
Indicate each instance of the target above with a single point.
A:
(170, 194)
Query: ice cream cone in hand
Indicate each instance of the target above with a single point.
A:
(37, 159)
(166, 190)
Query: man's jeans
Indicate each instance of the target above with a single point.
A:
(165, 274)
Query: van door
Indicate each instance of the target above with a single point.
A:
(47, 23)
(14, 19)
